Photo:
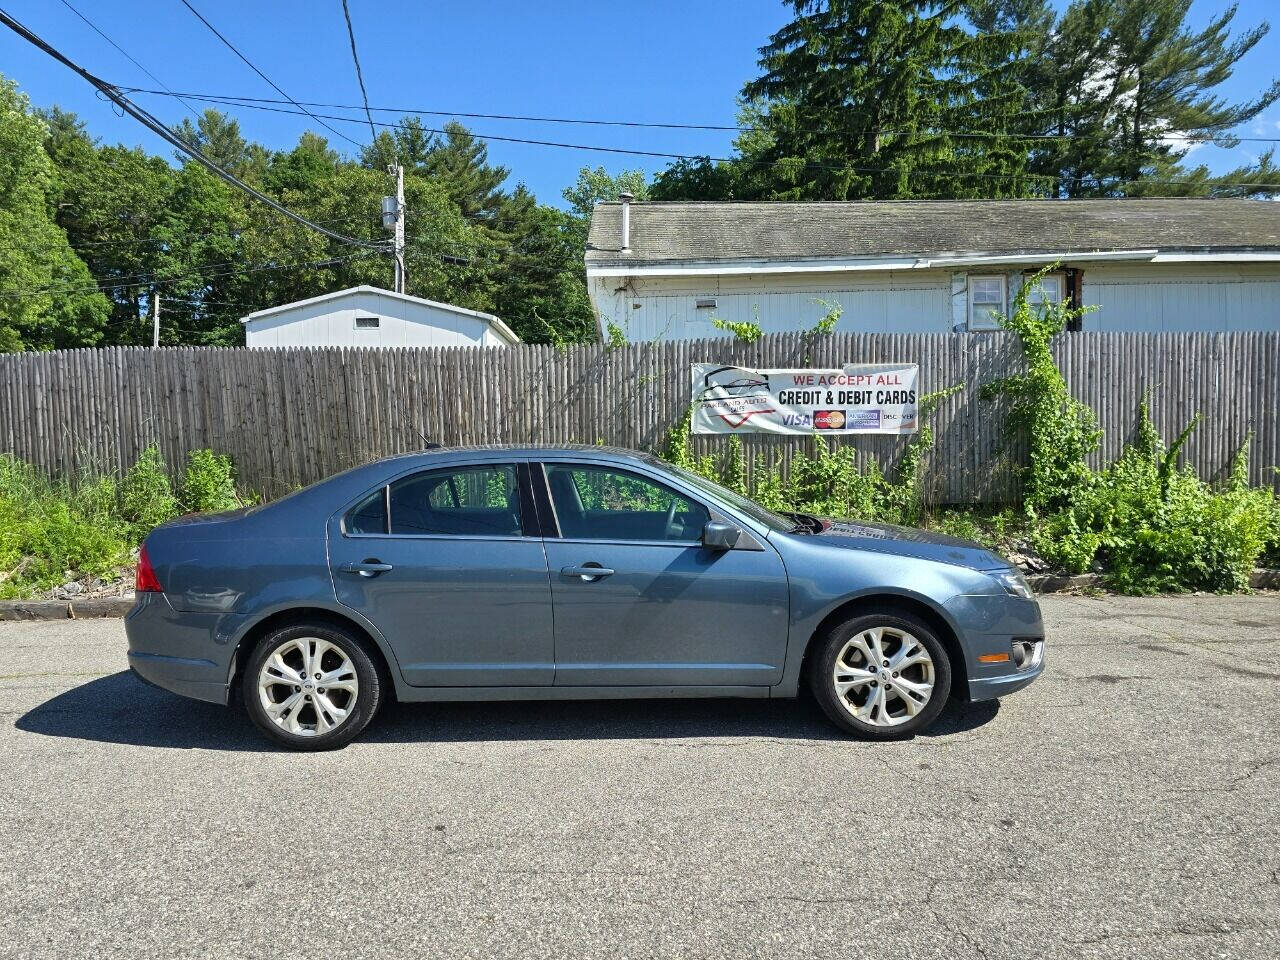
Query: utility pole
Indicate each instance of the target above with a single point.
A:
(393, 219)
(155, 319)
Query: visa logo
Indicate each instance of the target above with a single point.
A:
(797, 420)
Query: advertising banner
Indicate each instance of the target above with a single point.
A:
(860, 398)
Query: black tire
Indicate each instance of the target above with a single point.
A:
(359, 708)
(839, 709)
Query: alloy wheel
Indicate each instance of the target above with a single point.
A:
(308, 686)
(883, 676)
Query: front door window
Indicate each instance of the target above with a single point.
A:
(603, 503)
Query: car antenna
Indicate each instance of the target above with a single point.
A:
(426, 444)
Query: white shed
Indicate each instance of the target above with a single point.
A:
(370, 317)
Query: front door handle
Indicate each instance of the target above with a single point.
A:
(589, 572)
(366, 568)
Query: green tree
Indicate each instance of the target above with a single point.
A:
(1131, 89)
(460, 163)
(746, 176)
(111, 201)
(598, 185)
(218, 137)
(543, 294)
(48, 298)
(865, 101)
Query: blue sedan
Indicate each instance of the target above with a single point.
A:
(514, 573)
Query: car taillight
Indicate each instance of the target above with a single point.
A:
(145, 580)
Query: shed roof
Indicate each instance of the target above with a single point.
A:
(698, 232)
(499, 327)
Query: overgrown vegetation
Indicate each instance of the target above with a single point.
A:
(823, 480)
(1151, 526)
(1060, 431)
(828, 321)
(52, 532)
(746, 331)
(1145, 523)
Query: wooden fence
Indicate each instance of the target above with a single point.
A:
(291, 416)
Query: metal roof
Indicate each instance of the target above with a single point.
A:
(697, 232)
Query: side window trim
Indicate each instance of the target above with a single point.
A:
(548, 522)
(531, 517)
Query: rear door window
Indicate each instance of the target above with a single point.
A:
(369, 516)
(479, 501)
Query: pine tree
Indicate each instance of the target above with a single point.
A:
(866, 101)
(1131, 89)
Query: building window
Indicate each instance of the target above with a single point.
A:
(1051, 289)
(367, 323)
(987, 302)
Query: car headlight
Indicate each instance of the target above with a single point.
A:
(1013, 582)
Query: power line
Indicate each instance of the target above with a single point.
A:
(1048, 178)
(252, 66)
(98, 30)
(665, 125)
(159, 128)
(364, 94)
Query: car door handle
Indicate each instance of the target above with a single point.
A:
(589, 572)
(367, 568)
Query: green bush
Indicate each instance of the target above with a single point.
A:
(208, 485)
(53, 531)
(146, 496)
(1271, 548)
(1152, 526)
(48, 533)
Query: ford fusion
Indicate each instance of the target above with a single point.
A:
(568, 573)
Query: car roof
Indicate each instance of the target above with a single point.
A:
(593, 451)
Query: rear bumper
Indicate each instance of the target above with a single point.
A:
(175, 675)
(189, 654)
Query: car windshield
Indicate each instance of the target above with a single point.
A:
(774, 521)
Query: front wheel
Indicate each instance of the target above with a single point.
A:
(881, 675)
(311, 686)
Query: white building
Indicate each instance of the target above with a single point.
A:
(370, 317)
(667, 270)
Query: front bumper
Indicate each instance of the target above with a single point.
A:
(189, 654)
(990, 625)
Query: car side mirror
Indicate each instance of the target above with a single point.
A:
(719, 535)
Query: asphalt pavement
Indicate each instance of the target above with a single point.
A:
(1125, 805)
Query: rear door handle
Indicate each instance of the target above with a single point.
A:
(366, 568)
(589, 572)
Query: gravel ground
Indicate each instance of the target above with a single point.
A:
(1125, 805)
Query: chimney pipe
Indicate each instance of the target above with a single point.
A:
(626, 199)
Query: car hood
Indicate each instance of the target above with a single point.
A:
(907, 542)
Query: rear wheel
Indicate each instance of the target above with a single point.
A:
(882, 675)
(311, 686)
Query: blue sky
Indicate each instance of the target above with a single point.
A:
(658, 61)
